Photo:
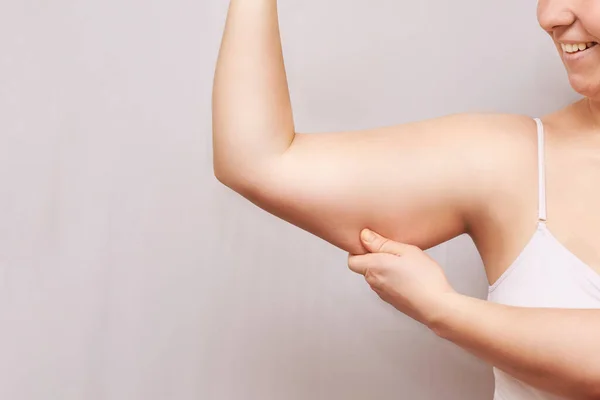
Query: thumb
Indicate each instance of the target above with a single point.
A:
(376, 243)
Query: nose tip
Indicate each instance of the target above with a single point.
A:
(552, 18)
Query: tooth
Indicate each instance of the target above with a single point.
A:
(582, 46)
(569, 48)
(563, 46)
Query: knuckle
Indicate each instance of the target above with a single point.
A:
(383, 245)
(353, 261)
(356, 263)
(372, 277)
(350, 261)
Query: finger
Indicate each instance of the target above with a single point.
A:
(359, 264)
(376, 243)
(371, 261)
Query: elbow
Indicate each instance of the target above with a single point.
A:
(234, 171)
(229, 178)
(245, 174)
(221, 175)
(225, 169)
(247, 180)
(225, 163)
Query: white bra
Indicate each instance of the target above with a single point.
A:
(546, 274)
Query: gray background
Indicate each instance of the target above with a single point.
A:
(127, 272)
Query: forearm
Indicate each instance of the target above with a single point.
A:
(252, 117)
(552, 349)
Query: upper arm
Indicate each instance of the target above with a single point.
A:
(414, 183)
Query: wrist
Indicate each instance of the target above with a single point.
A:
(441, 319)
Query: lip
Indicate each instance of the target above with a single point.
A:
(571, 57)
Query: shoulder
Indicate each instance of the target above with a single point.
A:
(470, 133)
(489, 126)
(487, 144)
(498, 157)
(492, 137)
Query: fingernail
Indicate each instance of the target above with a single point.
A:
(368, 236)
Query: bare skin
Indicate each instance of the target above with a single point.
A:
(421, 183)
(554, 350)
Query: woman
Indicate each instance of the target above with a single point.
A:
(423, 183)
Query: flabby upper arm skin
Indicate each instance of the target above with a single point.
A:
(417, 183)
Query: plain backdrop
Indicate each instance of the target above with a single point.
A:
(128, 273)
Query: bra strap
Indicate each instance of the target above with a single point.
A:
(541, 172)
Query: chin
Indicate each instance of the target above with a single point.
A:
(586, 86)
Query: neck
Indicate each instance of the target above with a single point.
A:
(592, 108)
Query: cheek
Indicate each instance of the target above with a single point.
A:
(590, 17)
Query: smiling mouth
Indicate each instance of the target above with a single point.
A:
(577, 47)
